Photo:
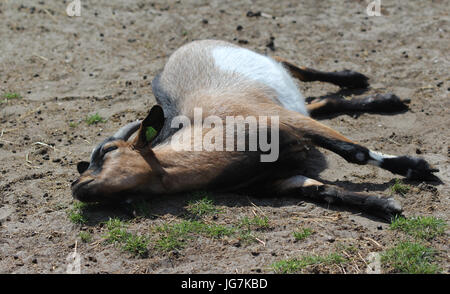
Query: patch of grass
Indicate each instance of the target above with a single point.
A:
(117, 234)
(202, 207)
(12, 95)
(421, 227)
(218, 231)
(76, 213)
(295, 265)
(85, 236)
(255, 222)
(399, 188)
(137, 245)
(247, 225)
(411, 258)
(175, 236)
(94, 119)
(73, 124)
(303, 234)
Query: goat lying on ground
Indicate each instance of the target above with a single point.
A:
(224, 80)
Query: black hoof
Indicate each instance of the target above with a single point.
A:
(413, 168)
(391, 210)
(350, 79)
(385, 103)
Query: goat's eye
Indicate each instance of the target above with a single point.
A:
(111, 148)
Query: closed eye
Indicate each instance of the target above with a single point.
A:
(106, 150)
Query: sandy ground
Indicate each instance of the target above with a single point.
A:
(66, 68)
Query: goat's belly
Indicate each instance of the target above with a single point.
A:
(261, 69)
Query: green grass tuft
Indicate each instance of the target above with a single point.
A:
(12, 95)
(421, 227)
(175, 236)
(94, 119)
(247, 226)
(117, 234)
(137, 245)
(76, 213)
(399, 188)
(73, 124)
(202, 207)
(255, 222)
(295, 265)
(303, 234)
(410, 258)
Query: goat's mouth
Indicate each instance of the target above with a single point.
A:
(81, 190)
(87, 191)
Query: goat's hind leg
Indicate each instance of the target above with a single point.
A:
(344, 79)
(383, 207)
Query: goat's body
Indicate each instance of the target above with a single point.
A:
(224, 80)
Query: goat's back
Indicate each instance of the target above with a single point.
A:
(219, 70)
(222, 78)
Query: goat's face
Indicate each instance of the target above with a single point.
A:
(117, 167)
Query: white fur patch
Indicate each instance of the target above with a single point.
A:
(263, 70)
(298, 182)
(377, 157)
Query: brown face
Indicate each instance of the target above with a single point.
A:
(118, 168)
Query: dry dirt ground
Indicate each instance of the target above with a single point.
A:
(66, 68)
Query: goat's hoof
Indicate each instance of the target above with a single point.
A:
(387, 103)
(351, 79)
(421, 170)
(392, 209)
(413, 168)
(386, 209)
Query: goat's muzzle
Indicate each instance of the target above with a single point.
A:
(81, 191)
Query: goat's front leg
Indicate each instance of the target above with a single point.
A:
(383, 207)
(303, 127)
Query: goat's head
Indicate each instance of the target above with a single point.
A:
(118, 167)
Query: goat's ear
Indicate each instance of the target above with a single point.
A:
(150, 127)
(82, 166)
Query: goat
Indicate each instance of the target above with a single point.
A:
(226, 80)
